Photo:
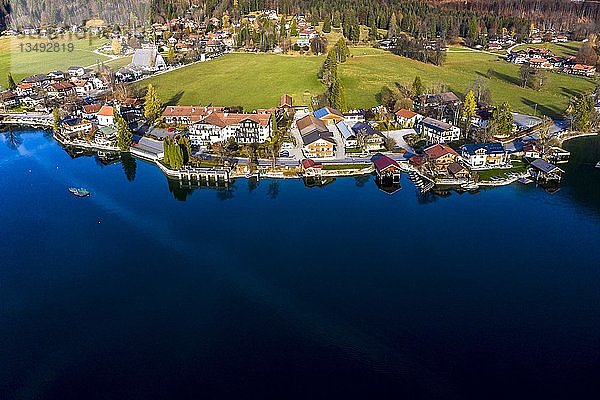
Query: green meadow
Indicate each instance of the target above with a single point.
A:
(257, 80)
(21, 63)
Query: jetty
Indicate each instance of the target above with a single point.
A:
(34, 120)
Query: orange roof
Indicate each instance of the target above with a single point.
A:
(25, 85)
(195, 113)
(404, 113)
(106, 111)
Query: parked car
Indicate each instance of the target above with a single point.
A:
(284, 153)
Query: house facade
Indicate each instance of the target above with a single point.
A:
(485, 155)
(220, 127)
(438, 131)
(441, 156)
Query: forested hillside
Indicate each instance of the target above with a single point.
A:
(445, 18)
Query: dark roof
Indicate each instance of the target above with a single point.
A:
(382, 162)
(314, 136)
(366, 128)
(455, 168)
(436, 124)
(490, 148)
(310, 124)
(545, 166)
(323, 112)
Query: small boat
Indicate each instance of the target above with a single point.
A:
(598, 165)
(79, 192)
(470, 186)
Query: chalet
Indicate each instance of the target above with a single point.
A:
(56, 75)
(187, 115)
(24, 89)
(319, 144)
(37, 80)
(441, 156)
(127, 74)
(438, 131)
(540, 63)
(76, 71)
(220, 127)
(8, 99)
(76, 126)
(354, 117)
(83, 87)
(106, 116)
(309, 124)
(305, 37)
(61, 90)
(542, 171)
(90, 111)
(581, 70)
(329, 115)
(286, 101)
(481, 156)
(438, 99)
(368, 137)
(407, 118)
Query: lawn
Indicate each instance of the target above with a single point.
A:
(22, 63)
(559, 49)
(248, 80)
(258, 80)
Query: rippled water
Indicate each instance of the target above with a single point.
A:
(145, 290)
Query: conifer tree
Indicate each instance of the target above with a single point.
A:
(417, 86)
(11, 82)
(152, 105)
(327, 24)
(392, 26)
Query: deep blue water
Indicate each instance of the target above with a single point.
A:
(283, 291)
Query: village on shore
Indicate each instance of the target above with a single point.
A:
(439, 140)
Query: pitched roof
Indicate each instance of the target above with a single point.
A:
(310, 124)
(106, 111)
(314, 136)
(545, 166)
(455, 168)
(439, 150)
(404, 113)
(227, 119)
(365, 128)
(308, 163)
(344, 129)
(490, 148)
(92, 108)
(326, 111)
(194, 113)
(286, 101)
(436, 124)
(382, 162)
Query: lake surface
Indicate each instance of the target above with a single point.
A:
(147, 291)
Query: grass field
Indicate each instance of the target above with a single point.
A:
(559, 49)
(250, 80)
(257, 80)
(22, 63)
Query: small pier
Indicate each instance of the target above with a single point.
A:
(33, 120)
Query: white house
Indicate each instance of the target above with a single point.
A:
(481, 156)
(148, 60)
(220, 127)
(407, 118)
(438, 131)
(106, 116)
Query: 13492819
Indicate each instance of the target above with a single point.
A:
(47, 47)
